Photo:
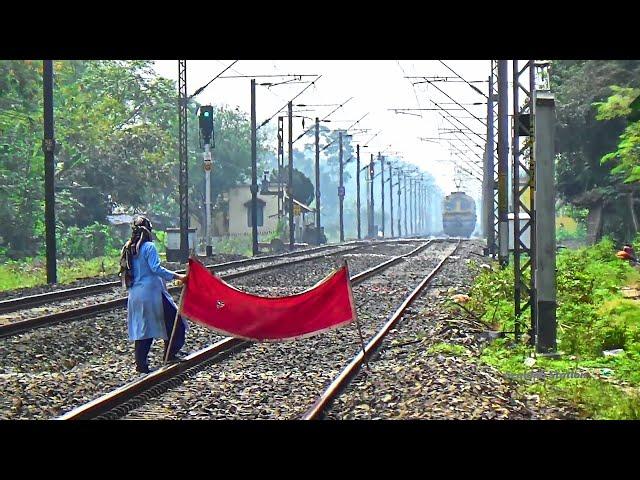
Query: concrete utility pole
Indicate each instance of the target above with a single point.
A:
(381, 158)
(405, 211)
(318, 180)
(358, 189)
(412, 206)
(416, 206)
(420, 208)
(48, 147)
(399, 209)
(341, 189)
(545, 231)
(372, 168)
(423, 207)
(254, 174)
(390, 197)
(290, 184)
(368, 196)
(503, 162)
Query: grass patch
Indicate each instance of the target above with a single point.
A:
(447, 349)
(592, 315)
(33, 272)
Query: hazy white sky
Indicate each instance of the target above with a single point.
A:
(376, 85)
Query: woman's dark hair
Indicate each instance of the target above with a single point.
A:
(140, 233)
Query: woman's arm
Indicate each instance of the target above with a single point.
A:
(153, 260)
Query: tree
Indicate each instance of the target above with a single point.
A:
(21, 159)
(582, 140)
(625, 103)
(627, 153)
(116, 127)
(303, 190)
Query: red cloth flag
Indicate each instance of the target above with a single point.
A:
(210, 301)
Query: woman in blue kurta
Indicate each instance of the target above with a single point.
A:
(150, 309)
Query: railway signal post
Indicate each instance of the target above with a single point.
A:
(205, 122)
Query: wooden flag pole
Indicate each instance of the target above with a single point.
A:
(364, 353)
(175, 320)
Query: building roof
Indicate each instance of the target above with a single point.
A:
(300, 204)
(307, 208)
(120, 219)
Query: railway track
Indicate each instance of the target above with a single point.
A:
(342, 379)
(129, 397)
(110, 303)
(47, 371)
(29, 301)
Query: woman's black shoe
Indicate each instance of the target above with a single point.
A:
(176, 357)
(142, 369)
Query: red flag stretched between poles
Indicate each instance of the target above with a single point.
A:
(210, 301)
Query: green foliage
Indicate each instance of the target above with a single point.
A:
(116, 125)
(618, 325)
(281, 230)
(160, 240)
(580, 216)
(239, 245)
(492, 296)
(31, 272)
(588, 127)
(88, 242)
(447, 349)
(564, 234)
(592, 397)
(592, 317)
(627, 154)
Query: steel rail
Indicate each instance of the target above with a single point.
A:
(338, 384)
(22, 303)
(22, 326)
(221, 349)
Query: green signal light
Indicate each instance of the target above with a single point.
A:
(206, 114)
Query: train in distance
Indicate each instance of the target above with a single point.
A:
(459, 215)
